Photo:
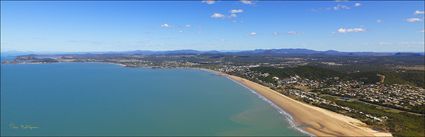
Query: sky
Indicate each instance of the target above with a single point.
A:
(84, 26)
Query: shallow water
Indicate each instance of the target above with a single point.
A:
(104, 99)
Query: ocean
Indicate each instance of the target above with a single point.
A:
(96, 99)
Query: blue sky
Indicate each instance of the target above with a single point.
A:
(212, 25)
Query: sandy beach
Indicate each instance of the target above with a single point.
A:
(315, 120)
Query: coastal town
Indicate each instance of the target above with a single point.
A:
(334, 92)
(402, 97)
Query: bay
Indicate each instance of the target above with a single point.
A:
(95, 99)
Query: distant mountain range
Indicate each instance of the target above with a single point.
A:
(274, 52)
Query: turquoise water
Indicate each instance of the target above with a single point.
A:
(103, 99)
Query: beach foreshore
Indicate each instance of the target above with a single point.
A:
(312, 119)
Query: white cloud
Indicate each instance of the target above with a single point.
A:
(412, 20)
(235, 11)
(253, 33)
(423, 30)
(357, 4)
(209, 1)
(292, 33)
(378, 21)
(233, 15)
(165, 25)
(217, 16)
(418, 12)
(349, 30)
(276, 33)
(249, 2)
(187, 26)
(341, 7)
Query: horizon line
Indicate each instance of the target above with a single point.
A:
(1, 51)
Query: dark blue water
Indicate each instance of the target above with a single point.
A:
(104, 99)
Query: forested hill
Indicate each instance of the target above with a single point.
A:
(414, 78)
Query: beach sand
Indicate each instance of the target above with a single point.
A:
(315, 120)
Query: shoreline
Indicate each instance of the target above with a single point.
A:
(306, 118)
(287, 116)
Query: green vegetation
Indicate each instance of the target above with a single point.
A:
(414, 78)
(309, 72)
(407, 77)
(399, 123)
